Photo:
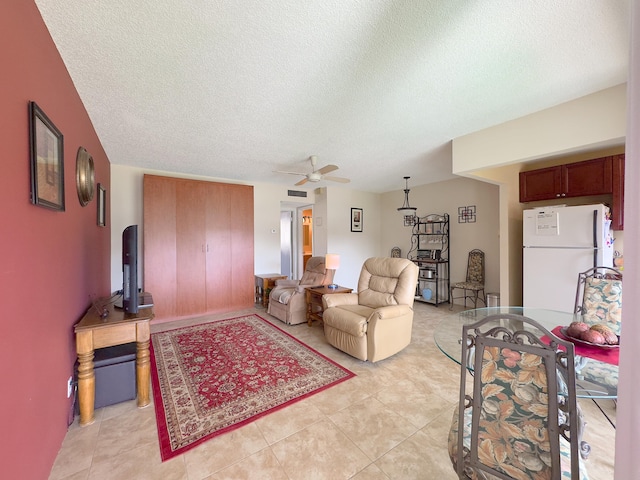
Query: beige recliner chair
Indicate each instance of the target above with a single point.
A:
(376, 322)
(287, 301)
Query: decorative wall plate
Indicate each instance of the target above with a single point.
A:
(85, 176)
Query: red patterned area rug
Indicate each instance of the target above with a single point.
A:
(212, 378)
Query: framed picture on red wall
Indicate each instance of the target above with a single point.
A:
(47, 162)
(102, 205)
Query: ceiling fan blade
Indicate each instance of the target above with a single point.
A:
(327, 169)
(337, 179)
(289, 173)
(302, 182)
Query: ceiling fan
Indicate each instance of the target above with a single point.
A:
(317, 175)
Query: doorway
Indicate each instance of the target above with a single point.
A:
(296, 239)
(307, 236)
(286, 243)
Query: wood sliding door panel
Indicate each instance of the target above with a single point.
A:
(198, 246)
(191, 247)
(159, 249)
(219, 239)
(242, 274)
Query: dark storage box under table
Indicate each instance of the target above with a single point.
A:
(115, 371)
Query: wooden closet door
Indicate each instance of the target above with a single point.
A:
(190, 247)
(241, 224)
(159, 237)
(219, 240)
(198, 246)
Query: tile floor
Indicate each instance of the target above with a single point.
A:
(389, 422)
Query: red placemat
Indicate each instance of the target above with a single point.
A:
(606, 355)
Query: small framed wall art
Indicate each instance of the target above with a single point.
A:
(356, 219)
(47, 162)
(102, 202)
(467, 214)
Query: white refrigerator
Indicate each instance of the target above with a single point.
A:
(558, 243)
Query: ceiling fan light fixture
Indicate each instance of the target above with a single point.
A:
(406, 209)
(317, 175)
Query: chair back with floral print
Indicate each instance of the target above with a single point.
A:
(599, 297)
(475, 267)
(524, 420)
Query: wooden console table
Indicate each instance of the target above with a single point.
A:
(314, 300)
(92, 332)
(264, 282)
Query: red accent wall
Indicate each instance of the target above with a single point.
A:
(52, 263)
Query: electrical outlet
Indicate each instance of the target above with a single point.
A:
(69, 387)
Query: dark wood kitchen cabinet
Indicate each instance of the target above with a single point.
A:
(580, 179)
(599, 176)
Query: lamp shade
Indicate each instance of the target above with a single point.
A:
(332, 261)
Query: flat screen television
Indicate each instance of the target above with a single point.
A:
(130, 269)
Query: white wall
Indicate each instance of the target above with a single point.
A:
(382, 224)
(627, 462)
(588, 123)
(446, 197)
(125, 208)
(332, 212)
(354, 247)
(126, 199)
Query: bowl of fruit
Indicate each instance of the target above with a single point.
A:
(597, 335)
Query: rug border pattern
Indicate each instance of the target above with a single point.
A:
(167, 420)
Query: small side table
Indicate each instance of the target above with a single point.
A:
(314, 300)
(92, 332)
(265, 281)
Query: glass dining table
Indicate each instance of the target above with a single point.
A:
(596, 368)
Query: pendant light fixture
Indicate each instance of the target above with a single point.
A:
(406, 209)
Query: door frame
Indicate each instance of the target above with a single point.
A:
(296, 238)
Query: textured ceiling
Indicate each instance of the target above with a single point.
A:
(378, 87)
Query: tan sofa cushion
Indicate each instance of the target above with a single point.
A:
(381, 282)
(315, 273)
(352, 319)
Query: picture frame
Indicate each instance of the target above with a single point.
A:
(102, 201)
(356, 219)
(467, 214)
(46, 151)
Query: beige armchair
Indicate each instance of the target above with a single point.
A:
(376, 322)
(287, 301)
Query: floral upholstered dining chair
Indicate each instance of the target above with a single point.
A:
(599, 301)
(473, 285)
(521, 419)
(599, 297)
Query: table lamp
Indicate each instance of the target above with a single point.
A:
(332, 262)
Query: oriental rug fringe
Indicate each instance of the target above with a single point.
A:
(212, 378)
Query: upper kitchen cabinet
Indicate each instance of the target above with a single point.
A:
(618, 193)
(599, 176)
(591, 177)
